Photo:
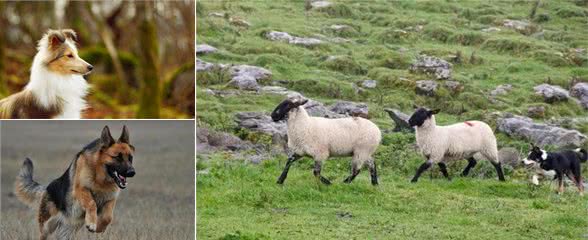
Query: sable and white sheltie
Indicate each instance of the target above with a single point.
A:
(57, 87)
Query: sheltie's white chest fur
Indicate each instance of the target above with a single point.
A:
(66, 90)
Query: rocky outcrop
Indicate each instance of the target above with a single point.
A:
(202, 66)
(369, 83)
(438, 67)
(501, 90)
(426, 87)
(208, 141)
(350, 109)
(580, 91)
(204, 49)
(509, 156)
(551, 93)
(539, 134)
(400, 120)
(536, 111)
(286, 37)
(246, 77)
(260, 122)
(320, 4)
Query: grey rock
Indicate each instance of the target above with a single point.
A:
(223, 93)
(400, 119)
(202, 66)
(244, 82)
(286, 37)
(536, 111)
(491, 29)
(205, 48)
(453, 86)
(208, 141)
(438, 67)
(539, 134)
(501, 90)
(320, 4)
(516, 24)
(509, 156)
(216, 14)
(245, 77)
(580, 91)
(277, 90)
(369, 83)
(340, 27)
(551, 93)
(350, 109)
(426, 87)
(318, 109)
(260, 122)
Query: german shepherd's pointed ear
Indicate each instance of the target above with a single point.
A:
(55, 39)
(124, 136)
(106, 138)
(70, 34)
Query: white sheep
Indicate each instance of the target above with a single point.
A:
(441, 144)
(321, 138)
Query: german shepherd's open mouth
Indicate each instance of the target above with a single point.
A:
(119, 177)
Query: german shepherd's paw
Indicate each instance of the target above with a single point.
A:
(91, 227)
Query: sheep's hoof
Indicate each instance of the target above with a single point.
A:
(325, 181)
(413, 180)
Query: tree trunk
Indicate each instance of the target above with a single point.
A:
(150, 98)
(107, 38)
(2, 37)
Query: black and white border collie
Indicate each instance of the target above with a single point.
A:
(563, 162)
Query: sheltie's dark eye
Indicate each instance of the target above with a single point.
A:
(70, 56)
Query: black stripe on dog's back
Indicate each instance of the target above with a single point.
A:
(57, 190)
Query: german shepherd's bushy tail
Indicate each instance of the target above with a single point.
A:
(26, 189)
(583, 154)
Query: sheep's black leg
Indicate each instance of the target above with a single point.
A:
(471, 164)
(291, 159)
(354, 172)
(498, 168)
(421, 169)
(443, 168)
(373, 172)
(317, 173)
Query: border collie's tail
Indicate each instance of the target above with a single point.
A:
(26, 189)
(583, 154)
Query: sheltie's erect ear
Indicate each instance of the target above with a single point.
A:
(70, 34)
(55, 39)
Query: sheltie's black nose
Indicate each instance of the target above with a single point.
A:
(90, 67)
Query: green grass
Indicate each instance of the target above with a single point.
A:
(241, 201)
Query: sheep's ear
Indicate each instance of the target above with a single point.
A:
(435, 111)
(303, 102)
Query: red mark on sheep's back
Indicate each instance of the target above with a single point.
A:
(469, 123)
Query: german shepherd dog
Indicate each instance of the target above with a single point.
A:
(86, 193)
(56, 88)
(563, 162)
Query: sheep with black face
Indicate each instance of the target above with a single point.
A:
(321, 138)
(441, 144)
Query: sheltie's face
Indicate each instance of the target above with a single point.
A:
(62, 54)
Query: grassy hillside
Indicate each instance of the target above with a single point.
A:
(237, 200)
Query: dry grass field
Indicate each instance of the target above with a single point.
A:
(158, 202)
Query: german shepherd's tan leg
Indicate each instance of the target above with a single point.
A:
(106, 215)
(46, 224)
(89, 205)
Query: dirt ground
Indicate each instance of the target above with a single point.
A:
(158, 202)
